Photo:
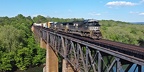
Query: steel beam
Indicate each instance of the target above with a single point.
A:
(118, 65)
(86, 57)
(99, 61)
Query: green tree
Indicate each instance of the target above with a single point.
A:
(18, 49)
(6, 61)
(37, 53)
(40, 19)
(23, 58)
(10, 37)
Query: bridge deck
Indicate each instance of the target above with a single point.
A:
(60, 41)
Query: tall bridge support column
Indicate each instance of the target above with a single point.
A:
(51, 60)
(42, 43)
(66, 67)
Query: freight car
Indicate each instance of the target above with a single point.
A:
(88, 28)
(45, 25)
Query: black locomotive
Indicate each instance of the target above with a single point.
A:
(88, 28)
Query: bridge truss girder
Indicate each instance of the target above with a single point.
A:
(86, 57)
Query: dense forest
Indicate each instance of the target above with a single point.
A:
(18, 49)
(122, 31)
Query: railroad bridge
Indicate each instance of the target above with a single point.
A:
(80, 54)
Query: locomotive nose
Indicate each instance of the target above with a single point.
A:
(97, 34)
(94, 28)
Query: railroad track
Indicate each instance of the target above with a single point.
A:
(122, 45)
(128, 49)
(132, 50)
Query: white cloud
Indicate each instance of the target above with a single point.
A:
(120, 3)
(94, 14)
(137, 13)
(141, 13)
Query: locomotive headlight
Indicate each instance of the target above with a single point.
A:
(93, 28)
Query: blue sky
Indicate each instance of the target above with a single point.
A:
(119, 10)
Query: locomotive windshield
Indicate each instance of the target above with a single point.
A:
(93, 23)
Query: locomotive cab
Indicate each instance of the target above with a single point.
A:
(94, 29)
(93, 26)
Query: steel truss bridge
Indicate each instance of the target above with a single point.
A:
(81, 54)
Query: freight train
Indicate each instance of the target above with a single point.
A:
(87, 28)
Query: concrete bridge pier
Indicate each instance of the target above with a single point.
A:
(42, 43)
(66, 67)
(51, 58)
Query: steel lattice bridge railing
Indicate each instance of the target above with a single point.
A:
(84, 56)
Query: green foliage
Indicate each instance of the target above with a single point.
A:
(64, 20)
(40, 19)
(6, 61)
(38, 54)
(122, 31)
(39, 58)
(18, 49)
(23, 58)
(10, 37)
